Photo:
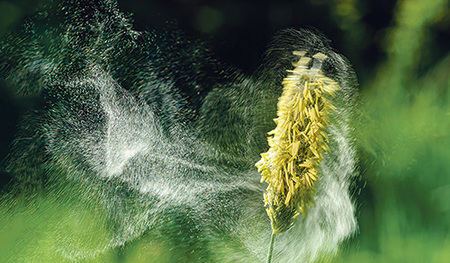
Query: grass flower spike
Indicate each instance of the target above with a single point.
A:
(290, 166)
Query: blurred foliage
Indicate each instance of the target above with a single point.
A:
(401, 55)
(404, 142)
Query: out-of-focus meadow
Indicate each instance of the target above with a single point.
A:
(400, 52)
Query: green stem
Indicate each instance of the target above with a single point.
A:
(272, 239)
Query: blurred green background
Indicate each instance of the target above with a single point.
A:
(400, 52)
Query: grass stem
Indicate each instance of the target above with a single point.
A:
(272, 239)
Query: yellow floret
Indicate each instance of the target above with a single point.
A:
(290, 166)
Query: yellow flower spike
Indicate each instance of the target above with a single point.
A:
(290, 166)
